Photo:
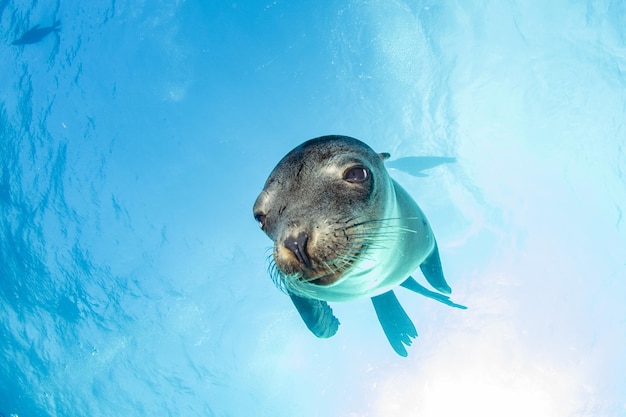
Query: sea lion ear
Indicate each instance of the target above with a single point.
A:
(384, 156)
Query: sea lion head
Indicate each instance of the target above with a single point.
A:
(321, 205)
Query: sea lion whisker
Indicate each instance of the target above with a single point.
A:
(346, 259)
(367, 237)
(374, 232)
(381, 227)
(380, 246)
(364, 234)
(330, 268)
(374, 221)
(349, 220)
(386, 228)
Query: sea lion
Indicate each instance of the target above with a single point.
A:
(36, 33)
(343, 229)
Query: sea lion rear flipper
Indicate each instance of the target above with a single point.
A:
(317, 315)
(431, 268)
(396, 324)
(414, 286)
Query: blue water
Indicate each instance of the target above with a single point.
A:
(133, 144)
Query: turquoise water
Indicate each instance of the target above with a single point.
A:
(133, 144)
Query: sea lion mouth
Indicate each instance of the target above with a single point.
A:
(326, 278)
(323, 258)
(326, 259)
(315, 271)
(295, 281)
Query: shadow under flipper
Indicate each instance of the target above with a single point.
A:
(396, 324)
(414, 165)
(431, 268)
(414, 286)
(317, 315)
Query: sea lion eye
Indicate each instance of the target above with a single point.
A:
(260, 217)
(356, 174)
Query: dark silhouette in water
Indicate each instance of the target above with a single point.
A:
(36, 34)
(414, 165)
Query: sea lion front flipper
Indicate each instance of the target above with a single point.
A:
(397, 325)
(317, 315)
(431, 268)
(414, 286)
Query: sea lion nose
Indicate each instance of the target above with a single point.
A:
(298, 246)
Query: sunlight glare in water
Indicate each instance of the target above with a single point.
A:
(483, 391)
(487, 389)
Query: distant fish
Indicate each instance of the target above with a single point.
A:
(36, 34)
(414, 165)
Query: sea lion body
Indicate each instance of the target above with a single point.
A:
(343, 229)
(36, 33)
